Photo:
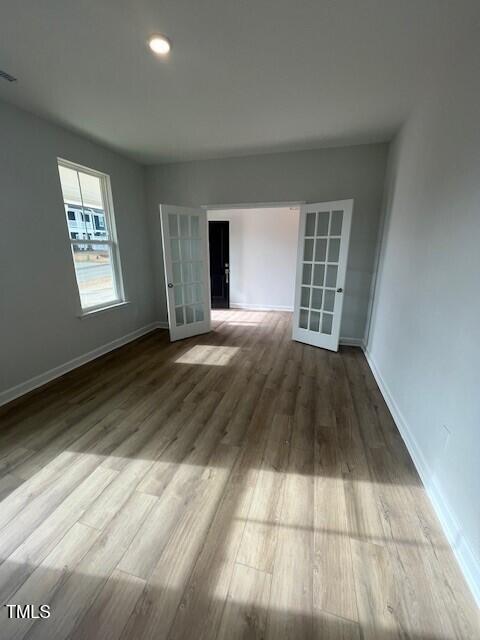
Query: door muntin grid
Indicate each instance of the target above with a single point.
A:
(320, 265)
(187, 268)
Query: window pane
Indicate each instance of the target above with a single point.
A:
(329, 300)
(196, 252)
(199, 313)
(75, 223)
(310, 224)
(91, 188)
(305, 297)
(317, 298)
(320, 250)
(303, 320)
(184, 226)
(189, 315)
(197, 292)
(336, 225)
(318, 274)
(72, 199)
(308, 250)
(196, 272)
(194, 226)
(177, 295)
(331, 279)
(99, 225)
(173, 224)
(187, 294)
(333, 249)
(175, 249)
(314, 320)
(322, 225)
(327, 321)
(307, 274)
(179, 316)
(94, 270)
(70, 186)
(185, 248)
(187, 272)
(177, 272)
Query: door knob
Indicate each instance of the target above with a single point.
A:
(339, 290)
(170, 285)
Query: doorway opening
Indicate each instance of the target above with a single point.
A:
(253, 257)
(254, 254)
(219, 247)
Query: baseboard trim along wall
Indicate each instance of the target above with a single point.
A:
(38, 381)
(352, 342)
(258, 307)
(469, 564)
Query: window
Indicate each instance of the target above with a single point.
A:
(99, 221)
(97, 263)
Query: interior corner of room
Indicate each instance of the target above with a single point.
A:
(239, 338)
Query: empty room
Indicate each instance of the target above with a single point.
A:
(239, 335)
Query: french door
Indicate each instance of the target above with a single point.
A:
(323, 238)
(187, 278)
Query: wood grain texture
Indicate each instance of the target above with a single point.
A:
(245, 613)
(231, 485)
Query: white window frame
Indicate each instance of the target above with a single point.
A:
(112, 242)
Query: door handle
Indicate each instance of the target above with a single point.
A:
(227, 273)
(170, 285)
(339, 290)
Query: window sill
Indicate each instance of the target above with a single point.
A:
(88, 313)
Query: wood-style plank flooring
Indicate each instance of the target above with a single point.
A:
(232, 485)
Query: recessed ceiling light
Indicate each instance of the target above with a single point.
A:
(159, 44)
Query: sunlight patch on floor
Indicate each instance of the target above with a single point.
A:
(242, 324)
(208, 355)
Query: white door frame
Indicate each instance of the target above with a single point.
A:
(317, 338)
(253, 205)
(185, 330)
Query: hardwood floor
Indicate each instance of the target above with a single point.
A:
(232, 485)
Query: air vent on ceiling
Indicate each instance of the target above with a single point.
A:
(7, 76)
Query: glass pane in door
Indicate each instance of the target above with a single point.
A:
(336, 224)
(187, 268)
(310, 225)
(331, 279)
(322, 223)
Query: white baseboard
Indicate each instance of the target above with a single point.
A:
(469, 563)
(352, 342)
(258, 307)
(37, 381)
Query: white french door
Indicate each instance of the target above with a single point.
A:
(322, 253)
(187, 278)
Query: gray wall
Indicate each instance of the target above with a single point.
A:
(39, 327)
(314, 176)
(425, 332)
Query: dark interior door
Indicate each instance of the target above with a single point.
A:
(218, 235)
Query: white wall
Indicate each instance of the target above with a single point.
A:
(263, 256)
(39, 327)
(425, 335)
(314, 176)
